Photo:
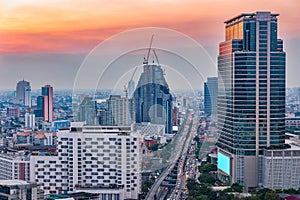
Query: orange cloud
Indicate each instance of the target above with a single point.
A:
(68, 26)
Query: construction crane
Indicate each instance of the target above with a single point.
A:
(133, 74)
(164, 71)
(147, 76)
(126, 87)
(155, 56)
(148, 53)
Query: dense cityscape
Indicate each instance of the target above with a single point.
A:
(237, 138)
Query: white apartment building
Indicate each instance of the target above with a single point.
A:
(280, 168)
(29, 120)
(95, 159)
(14, 166)
(47, 172)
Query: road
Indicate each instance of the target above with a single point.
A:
(180, 152)
(186, 166)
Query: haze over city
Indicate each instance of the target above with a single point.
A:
(150, 100)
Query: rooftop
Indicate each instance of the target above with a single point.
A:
(295, 144)
(247, 15)
(13, 182)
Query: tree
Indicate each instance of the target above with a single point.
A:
(271, 196)
(202, 197)
(206, 168)
(255, 197)
(154, 147)
(237, 187)
(207, 179)
(291, 191)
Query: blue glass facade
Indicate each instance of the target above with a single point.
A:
(152, 98)
(210, 96)
(251, 65)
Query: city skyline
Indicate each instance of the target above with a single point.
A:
(166, 118)
(55, 40)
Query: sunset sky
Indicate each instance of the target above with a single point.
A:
(33, 33)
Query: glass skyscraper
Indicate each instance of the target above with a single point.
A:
(47, 92)
(87, 111)
(152, 98)
(251, 106)
(119, 111)
(210, 96)
(23, 93)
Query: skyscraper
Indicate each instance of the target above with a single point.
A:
(47, 92)
(29, 119)
(119, 111)
(27, 100)
(39, 111)
(23, 91)
(211, 96)
(251, 113)
(88, 111)
(152, 97)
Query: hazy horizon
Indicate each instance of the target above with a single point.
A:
(46, 43)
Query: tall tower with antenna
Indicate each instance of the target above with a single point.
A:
(153, 101)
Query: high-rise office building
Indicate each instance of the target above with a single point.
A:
(251, 108)
(39, 110)
(152, 97)
(27, 100)
(87, 111)
(23, 93)
(211, 96)
(47, 93)
(119, 111)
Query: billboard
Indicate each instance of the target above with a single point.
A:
(224, 163)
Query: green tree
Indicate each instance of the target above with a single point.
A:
(200, 197)
(206, 168)
(154, 147)
(271, 196)
(207, 179)
(237, 187)
(291, 191)
(255, 197)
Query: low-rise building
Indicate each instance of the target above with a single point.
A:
(280, 168)
(19, 189)
(35, 138)
(292, 122)
(148, 129)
